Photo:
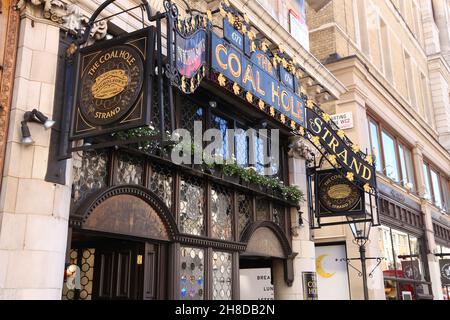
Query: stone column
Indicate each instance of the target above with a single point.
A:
(433, 263)
(442, 21)
(34, 213)
(301, 240)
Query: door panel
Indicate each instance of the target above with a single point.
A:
(123, 274)
(149, 271)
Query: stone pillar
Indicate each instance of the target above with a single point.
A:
(442, 21)
(433, 262)
(34, 213)
(305, 261)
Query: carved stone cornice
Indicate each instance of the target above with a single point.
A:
(65, 14)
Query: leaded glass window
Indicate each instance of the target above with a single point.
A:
(90, 172)
(192, 277)
(278, 217)
(245, 210)
(84, 259)
(221, 213)
(161, 183)
(262, 210)
(221, 124)
(189, 114)
(130, 170)
(222, 275)
(191, 206)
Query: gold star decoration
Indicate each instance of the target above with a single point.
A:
(236, 88)
(332, 159)
(309, 103)
(369, 159)
(301, 131)
(222, 80)
(209, 14)
(251, 35)
(284, 63)
(249, 97)
(367, 188)
(222, 12)
(282, 118)
(355, 148)
(350, 176)
(341, 134)
(183, 84)
(315, 140)
(244, 29)
(272, 111)
(231, 18)
(252, 46)
(264, 46)
(192, 84)
(326, 117)
(293, 126)
(261, 104)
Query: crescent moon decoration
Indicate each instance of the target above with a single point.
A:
(320, 270)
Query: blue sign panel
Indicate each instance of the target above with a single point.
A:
(286, 77)
(231, 34)
(257, 76)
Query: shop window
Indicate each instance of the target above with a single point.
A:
(375, 144)
(390, 157)
(222, 265)
(90, 172)
(192, 277)
(437, 193)
(191, 206)
(245, 211)
(130, 170)
(161, 183)
(406, 166)
(403, 266)
(426, 174)
(435, 186)
(221, 214)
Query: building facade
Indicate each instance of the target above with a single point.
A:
(158, 230)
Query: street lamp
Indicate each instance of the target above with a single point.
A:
(361, 229)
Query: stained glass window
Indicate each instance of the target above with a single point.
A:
(84, 259)
(221, 213)
(245, 209)
(222, 275)
(190, 113)
(192, 277)
(191, 206)
(130, 170)
(90, 171)
(221, 124)
(161, 183)
(262, 210)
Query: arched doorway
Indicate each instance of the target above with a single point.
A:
(267, 249)
(120, 245)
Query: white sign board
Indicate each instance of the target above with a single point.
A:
(299, 29)
(343, 120)
(332, 274)
(255, 284)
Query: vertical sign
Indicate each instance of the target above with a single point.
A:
(332, 274)
(309, 286)
(444, 266)
(297, 20)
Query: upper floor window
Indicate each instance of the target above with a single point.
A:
(393, 157)
(436, 186)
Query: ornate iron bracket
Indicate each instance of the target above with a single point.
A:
(347, 260)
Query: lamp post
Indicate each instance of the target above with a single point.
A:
(361, 230)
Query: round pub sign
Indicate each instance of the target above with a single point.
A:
(337, 194)
(110, 85)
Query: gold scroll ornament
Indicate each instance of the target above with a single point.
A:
(109, 84)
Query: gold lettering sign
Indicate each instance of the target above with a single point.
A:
(338, 195)
(109, 84)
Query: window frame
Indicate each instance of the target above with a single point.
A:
(441, 179)
(398, 141)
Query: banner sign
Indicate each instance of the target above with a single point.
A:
(256, 284)
(444, 266)
(336, 196)
(309, 286)
(336, 146)
(257, 76)
(113, 86)
(190, 53)
(411, 269)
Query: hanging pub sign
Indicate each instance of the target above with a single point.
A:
(444, 266)
(190, 53)
(255, 75)
(310, 286)
(336, 196)
(338, 147)
(114, 85)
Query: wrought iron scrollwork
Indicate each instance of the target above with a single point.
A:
(171, 8)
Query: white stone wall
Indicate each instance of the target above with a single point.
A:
(33, 213)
